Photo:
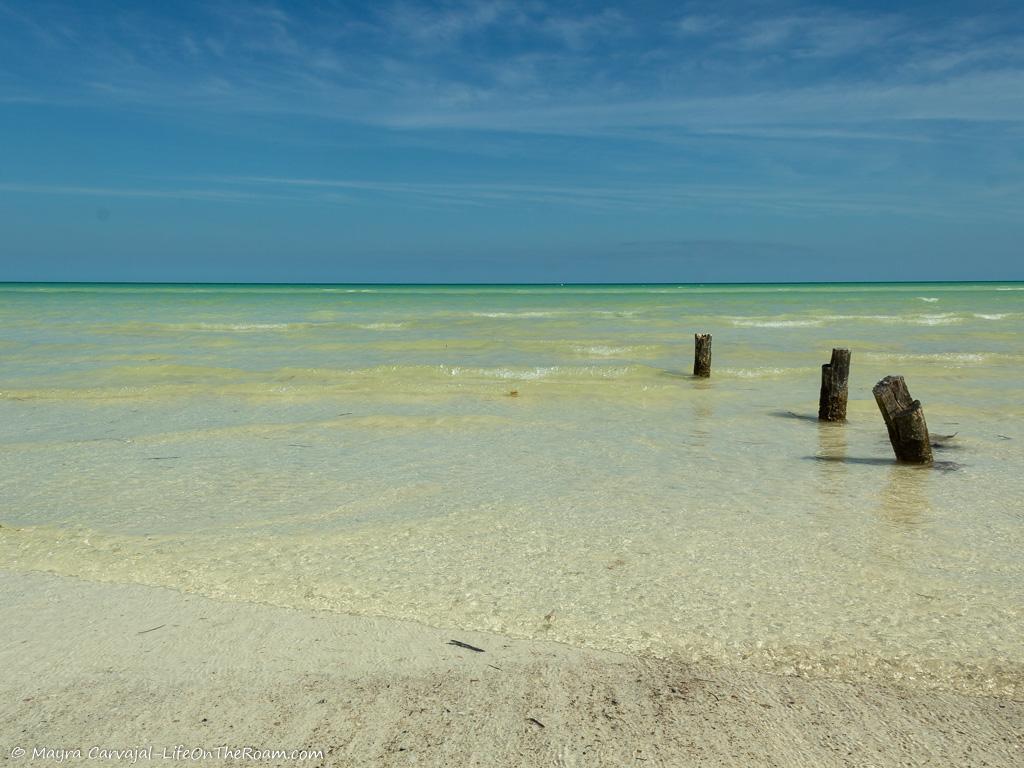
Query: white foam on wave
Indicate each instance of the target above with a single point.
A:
(929, 299)
(380, 326)
(875, 318)
(941, 319)
(241, 326)
(751, 322)
(503, 373)
(996, 316)
(949, 358)
(752, 373)
(514, 314)
(944, 318)
(542, 372)
(601, 350)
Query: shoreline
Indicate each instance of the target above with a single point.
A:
(129, 666)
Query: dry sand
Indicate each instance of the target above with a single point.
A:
(118, 666)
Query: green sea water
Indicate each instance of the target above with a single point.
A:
(357, 449)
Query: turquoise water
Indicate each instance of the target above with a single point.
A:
(356, 448)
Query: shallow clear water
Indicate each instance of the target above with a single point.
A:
(355, 448)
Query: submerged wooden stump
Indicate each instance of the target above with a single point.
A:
(702, 354)
(835, 382)
(904, 418)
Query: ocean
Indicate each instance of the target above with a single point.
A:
(360, 449)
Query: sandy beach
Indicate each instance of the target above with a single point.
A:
(115, 666)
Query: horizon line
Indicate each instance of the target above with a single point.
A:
(566, 284)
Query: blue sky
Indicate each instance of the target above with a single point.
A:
(511, 141)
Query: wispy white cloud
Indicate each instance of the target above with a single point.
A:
(717, 248)
(698, 24)
(794, 200)
(436, 27)
(992, 201)
(580, 32)
(50, 35)
(820, 35)
(163, 193)
(988, 96)
(713, 75)
(533, 67)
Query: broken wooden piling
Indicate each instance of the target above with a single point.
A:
(702, 354)
(835, 380)
(904, 418)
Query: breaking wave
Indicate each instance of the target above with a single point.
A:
(753, 322)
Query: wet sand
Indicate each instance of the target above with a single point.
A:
(123, 666)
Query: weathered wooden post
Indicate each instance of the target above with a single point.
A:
(702, 354)
(904, 419)
(835, 380)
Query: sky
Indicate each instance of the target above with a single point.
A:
(498, 141)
